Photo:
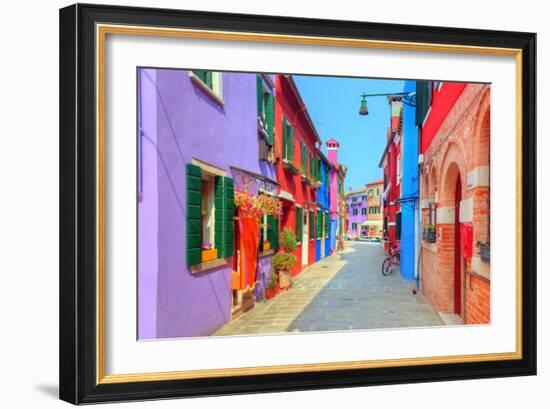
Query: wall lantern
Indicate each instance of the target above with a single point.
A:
(364, 110)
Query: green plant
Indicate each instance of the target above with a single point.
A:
(288, 240)
(273, 279)
(282, 262)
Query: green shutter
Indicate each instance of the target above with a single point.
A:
(285, 139)
(299, 224)
(318, 169)
(304, 158)
(291, 144)
(260, 95)
(194, 225)
(270, 117)
(319, 224)
(273, 232)
(219, 216)
(327, 225)
(224, 208)
(311, 224)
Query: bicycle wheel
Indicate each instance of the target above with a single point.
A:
(387, 267)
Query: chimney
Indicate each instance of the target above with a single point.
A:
(396, 105)
(332, 147)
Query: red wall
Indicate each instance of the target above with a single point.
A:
(286, 104)
(442, 102)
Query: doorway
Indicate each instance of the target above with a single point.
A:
(305, 237)
(323, 234)
(457, 252)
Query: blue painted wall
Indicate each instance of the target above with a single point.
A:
(409, 190)
(323, 201)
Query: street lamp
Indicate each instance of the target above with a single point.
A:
(364, 110)
(408, 98)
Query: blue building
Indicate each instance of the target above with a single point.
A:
(323, 242)
(409, 188)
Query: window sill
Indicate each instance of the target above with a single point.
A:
(198, 82)
(266, 253)
(210, 265)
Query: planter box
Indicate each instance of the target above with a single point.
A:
(209, 255)
(290, 167)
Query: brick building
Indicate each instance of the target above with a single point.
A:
(454, 119)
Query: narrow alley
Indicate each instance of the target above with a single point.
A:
(345, 291)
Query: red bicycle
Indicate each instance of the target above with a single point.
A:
(394, 258)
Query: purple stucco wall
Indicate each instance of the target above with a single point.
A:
(183, 123)
(359, 205)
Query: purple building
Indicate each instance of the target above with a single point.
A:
(358, 209)
(202, 135)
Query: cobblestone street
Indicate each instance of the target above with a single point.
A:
(345, 291)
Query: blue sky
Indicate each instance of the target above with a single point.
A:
(333, 104)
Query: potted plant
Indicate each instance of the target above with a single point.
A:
(209, 253)
(271, 289)
(282, 263)
(266, 246)
(484, 251)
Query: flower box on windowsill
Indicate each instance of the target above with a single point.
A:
(290, 167)
(315, 184)
(209, 255)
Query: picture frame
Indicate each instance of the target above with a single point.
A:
(83, 284)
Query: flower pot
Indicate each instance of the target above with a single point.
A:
(271, 292)
(285, 279)
(266, 246)
(209, 255)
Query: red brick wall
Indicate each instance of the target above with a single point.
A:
(478, 300)
(459, 146)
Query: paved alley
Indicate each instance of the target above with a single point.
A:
(345, 291)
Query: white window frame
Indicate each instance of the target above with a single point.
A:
(216, 92)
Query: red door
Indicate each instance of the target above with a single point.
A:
(458, 264)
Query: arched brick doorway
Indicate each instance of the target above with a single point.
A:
(449, 258)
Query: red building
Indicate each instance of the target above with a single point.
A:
(297, 164)
(391, 162)
(454, 123)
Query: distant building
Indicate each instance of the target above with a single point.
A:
(391, 163)
(374, 226)
(357, 208)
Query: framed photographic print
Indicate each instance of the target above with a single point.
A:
(257, 203)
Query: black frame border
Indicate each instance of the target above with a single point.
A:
(78, 197)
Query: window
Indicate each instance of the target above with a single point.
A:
(210, 82)
(354, 199)
(371, 192)
(398, 226)
(311, 224)
(364, 211)
(304, 158)
(398, 169)
(266, 111)
(354, 226)
(210, 210)
(299, 224)
(377, 192)
(207, 208)
(288, 141)
(355, 212)
(363, 198)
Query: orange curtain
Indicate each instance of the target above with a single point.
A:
(249, 241)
